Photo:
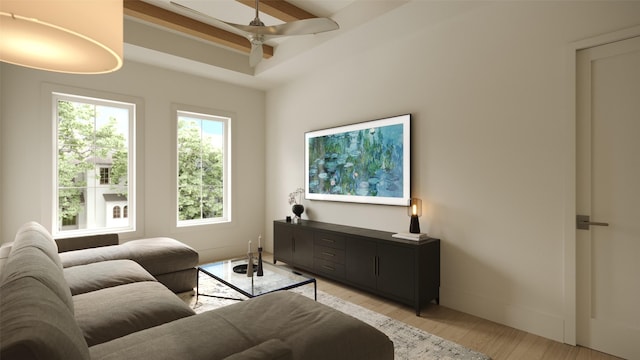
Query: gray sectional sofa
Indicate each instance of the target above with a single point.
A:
(116, 309)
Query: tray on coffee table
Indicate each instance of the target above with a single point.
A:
(275, 278)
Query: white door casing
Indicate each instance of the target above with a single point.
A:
(607, 189)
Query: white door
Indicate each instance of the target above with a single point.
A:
(608, 190)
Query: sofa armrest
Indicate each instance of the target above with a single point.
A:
(86, 242)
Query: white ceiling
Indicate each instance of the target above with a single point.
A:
(235, 12)
(293, 55)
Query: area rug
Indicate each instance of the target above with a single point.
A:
(409, 342)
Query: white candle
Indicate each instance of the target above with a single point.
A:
(260, 240)
(249, 250)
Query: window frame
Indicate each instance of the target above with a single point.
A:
(226, 118)
(133, 105)
(116, 212)
(105, 180)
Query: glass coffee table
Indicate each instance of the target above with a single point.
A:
(275, 278)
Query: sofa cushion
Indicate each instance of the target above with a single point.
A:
(179, 281)
(31, 262)
(113, 312)
(36, 324)
(310, 329)
(157, 255)
(100, 275)
(205, 336)
(162, 255)
(32, 234)
(272, 349)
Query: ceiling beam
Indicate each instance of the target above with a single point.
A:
(279, 9)
(160, 16)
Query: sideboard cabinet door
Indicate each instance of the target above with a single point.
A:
(397, 271)
(293, 245)
(282, 243)
(303, 248)
(385, 268)
(361, 262)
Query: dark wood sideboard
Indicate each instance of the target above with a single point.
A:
(406, 271)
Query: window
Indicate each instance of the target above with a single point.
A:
(104, 176)
(202, 168)
(93, 163)
(125, 211)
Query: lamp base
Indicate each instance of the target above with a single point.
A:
(414, 227)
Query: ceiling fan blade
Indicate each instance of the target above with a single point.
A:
(306, 26)
(256, 54)
(216, 22)
(299, 27)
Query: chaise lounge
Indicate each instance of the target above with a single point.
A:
(170, 262)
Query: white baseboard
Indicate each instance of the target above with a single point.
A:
(519, 317)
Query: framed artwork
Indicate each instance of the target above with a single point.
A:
(367, 162)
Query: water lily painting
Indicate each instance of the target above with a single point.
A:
(367, 162)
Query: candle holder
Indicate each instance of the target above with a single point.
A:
(250, 264)
(260, 270)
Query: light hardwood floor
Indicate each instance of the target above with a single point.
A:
(498, 341)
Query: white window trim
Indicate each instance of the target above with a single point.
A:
(49, 139)
(217, 115)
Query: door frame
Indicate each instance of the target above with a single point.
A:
(570, 261)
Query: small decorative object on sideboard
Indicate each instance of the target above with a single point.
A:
(410, 236)
(294, 199)
(415, 210)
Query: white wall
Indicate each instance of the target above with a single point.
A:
(24, 123)
(486, 84)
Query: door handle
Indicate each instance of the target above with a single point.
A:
(583, 222)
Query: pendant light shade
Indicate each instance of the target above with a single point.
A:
(70, 36)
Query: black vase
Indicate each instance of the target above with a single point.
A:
(298, 209)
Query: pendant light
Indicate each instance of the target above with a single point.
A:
(69, 36)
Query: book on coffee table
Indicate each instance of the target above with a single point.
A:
(411, 236)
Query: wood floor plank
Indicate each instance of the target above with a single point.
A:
(529, 346)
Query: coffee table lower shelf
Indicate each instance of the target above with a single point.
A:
(275, 278)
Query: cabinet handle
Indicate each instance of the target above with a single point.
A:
(375, 265)
(328, 267)
(328, 254)
(329, 240)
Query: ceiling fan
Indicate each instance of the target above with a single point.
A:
(258, 33)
